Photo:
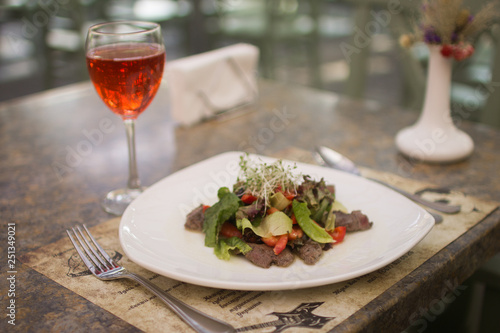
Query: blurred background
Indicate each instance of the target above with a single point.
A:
(344, 46)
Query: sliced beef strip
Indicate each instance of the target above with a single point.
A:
(310, 252)
(260, 255)
(195, 219)
(355, 221)
(297, 242)
(263, 256)
(285, 258)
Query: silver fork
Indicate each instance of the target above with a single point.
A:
(105, 268)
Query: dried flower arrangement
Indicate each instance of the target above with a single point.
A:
(449, 24)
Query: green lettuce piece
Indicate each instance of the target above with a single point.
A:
(216, 215)
(310, 228)
(222, 192)
(330, 219)
(275, 224)
(313, 192)
(225, 245)
(318, 212)
(338, 206)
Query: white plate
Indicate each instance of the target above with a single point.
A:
(152, 231)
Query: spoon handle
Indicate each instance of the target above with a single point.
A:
(331, 158)
(441, 207)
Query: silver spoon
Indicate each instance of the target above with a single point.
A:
(336, 160)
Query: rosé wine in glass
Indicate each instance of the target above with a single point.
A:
(125, 62)
(126, 76)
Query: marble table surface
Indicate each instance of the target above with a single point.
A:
(61, 151)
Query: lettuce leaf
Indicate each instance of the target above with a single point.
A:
(330, 219)
(225, 245)
(275, 224)
(219, 213)
(310, 228)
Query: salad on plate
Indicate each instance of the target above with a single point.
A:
(274, 214)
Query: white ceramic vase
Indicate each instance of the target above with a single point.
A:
(434, 137)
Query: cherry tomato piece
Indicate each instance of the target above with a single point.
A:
(270, 241)
(229, 230)
(296, 233)
(272, 210)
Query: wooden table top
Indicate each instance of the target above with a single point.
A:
(62, 150)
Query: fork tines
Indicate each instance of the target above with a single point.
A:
(99, 259)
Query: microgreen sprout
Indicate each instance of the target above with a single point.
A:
(262, 179)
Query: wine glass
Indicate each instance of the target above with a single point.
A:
(125, 62)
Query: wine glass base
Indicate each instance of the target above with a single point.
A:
(117, 201)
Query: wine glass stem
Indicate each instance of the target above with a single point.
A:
(133, 178)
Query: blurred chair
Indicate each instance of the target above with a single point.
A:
(484, 281)
(365, 25)
(64, 36)
(490, 114)
(291, 25)
(21, 67)
(358, 60)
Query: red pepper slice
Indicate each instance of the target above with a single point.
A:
(281, 244)
(337, 234)
(289, 195)
(248, 198)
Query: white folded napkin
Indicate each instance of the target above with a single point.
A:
(205, 84)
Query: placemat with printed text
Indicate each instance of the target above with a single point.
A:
(319, 308)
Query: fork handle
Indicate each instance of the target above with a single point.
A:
(199, 321)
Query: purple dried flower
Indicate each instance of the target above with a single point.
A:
(430, 36)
